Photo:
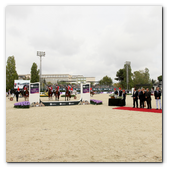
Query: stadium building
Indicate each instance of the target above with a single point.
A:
(55, 78)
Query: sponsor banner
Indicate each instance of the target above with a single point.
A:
(21, 84)
(34, 88)
(86, 88)
(70, 103)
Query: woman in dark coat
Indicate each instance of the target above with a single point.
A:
(143, 99)
(17, 93)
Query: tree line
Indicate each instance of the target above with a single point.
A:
(138, 78)
(11, 73)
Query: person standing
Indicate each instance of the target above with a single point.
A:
(157, 95)
(124, 96)
(135, 98)
(115, 91)
(17, 93)
(120, 92)
(148, 98)
(140, 97)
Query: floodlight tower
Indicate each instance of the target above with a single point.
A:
(41, 54)
(127, 75)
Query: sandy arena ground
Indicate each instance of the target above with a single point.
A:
(82, 133)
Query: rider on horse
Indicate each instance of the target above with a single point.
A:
(68, 93)
(26, 93)
(91, 92)
(50, 92)
(57, 92)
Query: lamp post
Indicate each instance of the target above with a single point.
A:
(127, 75)
(41, 54)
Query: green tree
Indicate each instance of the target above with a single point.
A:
(142, 77)
(153, 82)
(121, 77)
(11, 73)
(106, 81)
(160, 78)
(34, 73)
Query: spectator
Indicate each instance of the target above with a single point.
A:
(115, 91)
(124, 96)
(140, 93)
(142, 98)
(135, 98)
(120, 92)
(148, 98)
(17, 93)
(157, 95)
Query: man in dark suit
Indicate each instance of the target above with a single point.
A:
(120, 92)
(148, 98)
(115, 91)
(135, 98)
(124, 96)
(140, 93)
(142, 98)
(157, 95)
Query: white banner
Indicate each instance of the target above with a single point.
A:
(21, 83)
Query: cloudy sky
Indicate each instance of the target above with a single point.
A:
(93, 41)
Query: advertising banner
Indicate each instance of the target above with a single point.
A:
(86, 88)
(85, 92)
(21, 84)
(34, 88)
(71, 103)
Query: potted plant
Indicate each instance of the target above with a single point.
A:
(113, 96)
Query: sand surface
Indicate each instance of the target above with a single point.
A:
(82, 133)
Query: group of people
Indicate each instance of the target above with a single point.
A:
(17, 92)
(145, 96)
(121, 93)
(57, 87)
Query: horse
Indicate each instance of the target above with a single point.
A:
(57, 94)
(67, 94)
(91, 93)
(50, 93)
(26, 94)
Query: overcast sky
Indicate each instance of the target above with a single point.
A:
(93, 41)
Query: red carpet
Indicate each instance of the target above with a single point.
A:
(139, 109)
